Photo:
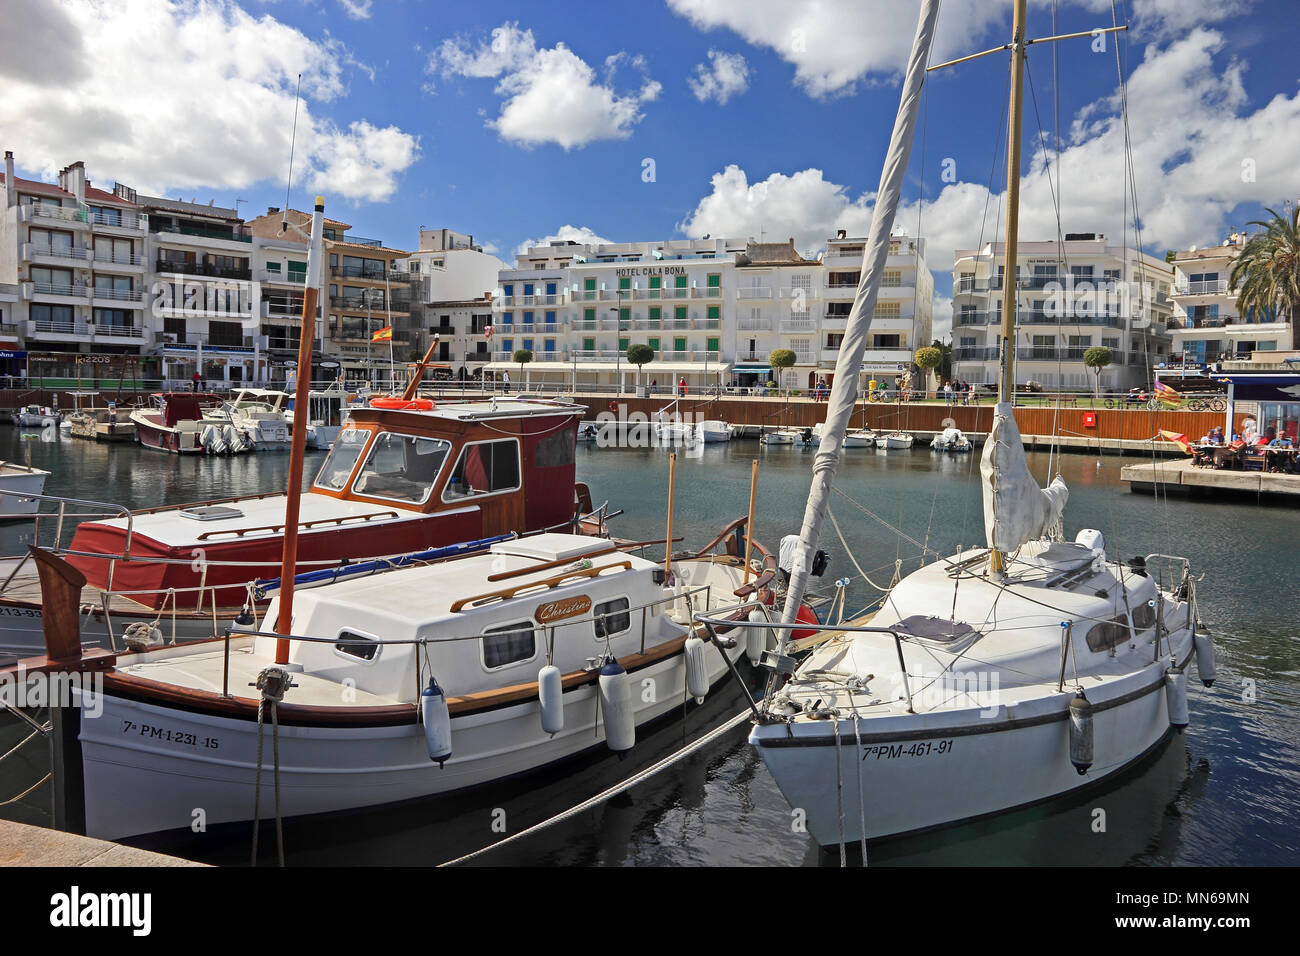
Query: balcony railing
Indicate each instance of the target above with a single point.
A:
(102, 256)
(75, 253)
(1203, 287)
(72, 289)
(117, 295)
(120, 219)
(754, 292)
(290, 278)
(200, 233)
(203, 269)
(45, 210)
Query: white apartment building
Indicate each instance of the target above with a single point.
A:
(712, 309)
(77, 256)
(1073, 295)
(1207, 326)
(453, 281)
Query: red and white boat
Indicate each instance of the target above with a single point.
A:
(175, 423)
(399, 479)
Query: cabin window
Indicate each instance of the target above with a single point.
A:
(555, 449)
(612, 618)
(484, 468)
(508, 644)
(1107, 634)
(1144, 616)
(401, 467)
(337, 469)
(357, 645)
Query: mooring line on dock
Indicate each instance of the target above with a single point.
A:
(613, 791)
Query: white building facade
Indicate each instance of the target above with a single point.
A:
(1073, 295)
(713, 311)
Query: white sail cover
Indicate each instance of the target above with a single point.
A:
(1016, 509)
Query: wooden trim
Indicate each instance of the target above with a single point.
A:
(240, 532)
(547, 565)
(547, 583)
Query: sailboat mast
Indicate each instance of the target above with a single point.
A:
(1010, 285)
(844, 389)
(298, 446)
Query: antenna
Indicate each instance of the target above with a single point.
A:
(293, 140)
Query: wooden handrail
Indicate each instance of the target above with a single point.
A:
(240, 532)
(544, 583)
(547, 565)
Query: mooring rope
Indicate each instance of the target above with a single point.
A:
(613, 791)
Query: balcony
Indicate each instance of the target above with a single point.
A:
(39, 252)
(61, 291)
(131, 298)
(753, 293)
(975, 318)
(242, 273)
(368, 274)
(1204, 287)
(120, 219)
(285, 278)
(798, 325)
(78, 328)
(48, 212)
(10, 330)
(196, 232)
(754, 325)
(106, 258)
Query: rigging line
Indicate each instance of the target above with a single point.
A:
(293, 141)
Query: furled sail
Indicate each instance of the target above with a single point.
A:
(1016, 509)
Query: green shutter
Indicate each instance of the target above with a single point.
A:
(656, 282)
(622, 345)
(589, 315)
(589, 345)
(679, 345)
(654, 344)
(712, 345)
(715, 311)
(679, 313)
(625, 283)
(655, 313)
(715, 280)
(589, 285)
(679, 282)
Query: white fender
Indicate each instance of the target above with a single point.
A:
(616, 705)
(697, 668)
(1176, 698)
(436, 718)
(550, 693)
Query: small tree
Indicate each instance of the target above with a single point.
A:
(782, 358)
(639, 355)
(1097, 358)
(521, 358)
(928, 359)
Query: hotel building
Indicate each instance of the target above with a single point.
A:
(713, 310)
(1072, 296)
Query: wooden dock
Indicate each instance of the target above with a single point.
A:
(24, 845)
(1180, 478)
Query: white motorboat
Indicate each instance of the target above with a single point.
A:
(782, 436)
(588, 431)
(859, 438)
(36, 416)
(327, 412)
(259, 414)
(996, 677)
(713, 431)
(951, 440)
(895, 440)
(541, 650)
(16, 483)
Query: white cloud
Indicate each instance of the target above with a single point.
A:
(548, 95)
(194, 95)
(804, 205)
(568, 233)
(727, 75)
(941, 320)
(1198, 151)
(356, 9)
(835, 44)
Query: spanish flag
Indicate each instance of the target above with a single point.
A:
(383, 335)
(1179, 440)
(1167, 396)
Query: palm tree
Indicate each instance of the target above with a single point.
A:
(1267, 272)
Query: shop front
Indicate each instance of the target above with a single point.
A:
(1276, 397)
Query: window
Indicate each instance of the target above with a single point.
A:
(653, 343)
(1144, 616)
(484, 468)
(1107, 634)
(338, 465)
(612, 618)
(622, 345)
(712, 345)
(679, 313)
(589, 315)
(555, 450)
(679, 344)
(401, 467)
(589, 345)
(714, 312)
(509, 644)
(357, 645)
(656, 313)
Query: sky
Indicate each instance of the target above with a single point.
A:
(520, 122)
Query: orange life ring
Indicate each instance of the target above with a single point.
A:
(404, 405)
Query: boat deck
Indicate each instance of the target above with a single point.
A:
(203, 670)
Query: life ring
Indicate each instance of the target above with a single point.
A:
(613, 406)
(403, 405)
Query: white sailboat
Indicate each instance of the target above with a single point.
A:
(895, 440)
(998, 676)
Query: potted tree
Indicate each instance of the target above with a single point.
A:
(782, 359)
(927, 359)
(639, 355)
(1097, 358)
(521, 358)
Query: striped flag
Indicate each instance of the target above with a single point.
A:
(383, 335)
(1179, 440)
(1167, 396)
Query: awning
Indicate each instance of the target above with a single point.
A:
(650, 368)
(11, 354)
(753, 369)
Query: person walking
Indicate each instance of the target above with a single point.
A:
(194, 381)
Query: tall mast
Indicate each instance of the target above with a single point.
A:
(298, 448)
(1006, 378)
(844, 389)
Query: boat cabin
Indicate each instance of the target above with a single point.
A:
(491, 620)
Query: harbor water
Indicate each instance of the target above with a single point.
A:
(1226, 792)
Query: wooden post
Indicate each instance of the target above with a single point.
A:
(298, 446)
(417, 374)
(749, 524)
(668, 542)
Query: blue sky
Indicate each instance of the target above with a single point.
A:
(416, 113)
